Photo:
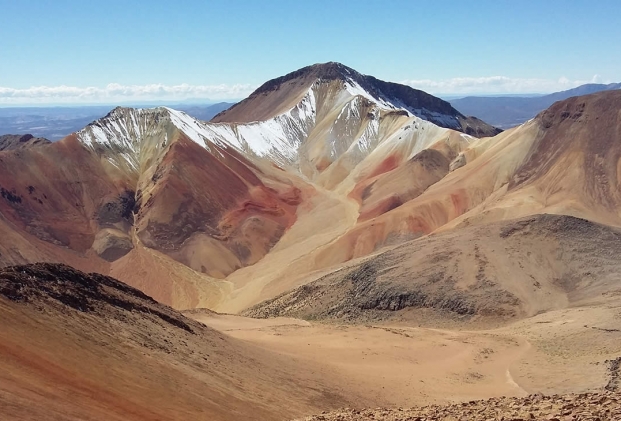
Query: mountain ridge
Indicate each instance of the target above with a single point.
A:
(11, 142)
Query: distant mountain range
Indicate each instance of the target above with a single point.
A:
(509, 111)
(54, 123)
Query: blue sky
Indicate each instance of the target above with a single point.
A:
(68, 51)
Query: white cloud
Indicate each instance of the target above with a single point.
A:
(496, 85)
(115, 92)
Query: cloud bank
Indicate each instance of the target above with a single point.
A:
(117, 93)
(496, 85)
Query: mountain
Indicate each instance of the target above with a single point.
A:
(448, 266)
(506, 112)
(11, 142)
(226, 215)
(324, 119)
(332, 80)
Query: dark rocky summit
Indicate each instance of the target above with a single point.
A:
(10, 142)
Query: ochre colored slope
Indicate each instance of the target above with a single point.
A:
(575, 165)
(565, 162)
(49, 196)
(380, 194)
(209, 211)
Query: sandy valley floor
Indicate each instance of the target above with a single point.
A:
(407, 366)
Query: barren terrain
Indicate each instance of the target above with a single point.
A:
(404, 366)
(79, 346)
(345, 251)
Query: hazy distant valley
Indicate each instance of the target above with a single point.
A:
(509, 111)
(54, 123)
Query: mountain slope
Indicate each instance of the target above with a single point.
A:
(215, 230)
(485, 273)
(506, 112)
(77, 346)
(563, 162)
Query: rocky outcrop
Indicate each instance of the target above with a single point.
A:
(53, 285)
(111, 244)
(10, 142)
(604, 406)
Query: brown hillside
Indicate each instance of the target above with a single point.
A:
(77, 346)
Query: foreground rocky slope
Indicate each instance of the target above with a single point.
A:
(81, 346)
(77, 346)
(604, 406)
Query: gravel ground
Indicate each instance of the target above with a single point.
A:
(603, 406)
